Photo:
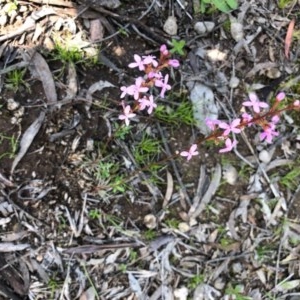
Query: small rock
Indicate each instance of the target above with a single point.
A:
(90, 145)
(236, 30)
(273, 73)
(234, 82)
(170, 26)
(219, 284)
(20, 112)
(183, 227)
(193, 222)
(111, 4)
(216, 55)
(237, 268)
(3, 20)
(181, 293)
(230, 174)
(204, 106)
(12, 104)
(264, 156)
(150, 221)
(204, 27)
(23, 8)
(14, 120)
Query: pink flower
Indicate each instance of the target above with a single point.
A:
(212, 124)
(139, 62)
(147, 102)
(280, 96)
(127, 114)
(150, 59)
(189, 154)
(137, 88)
(126, 90)
(229, 146)
(163, 50)
(173, 63)
(156, 75)
(151, 105)
(255, 103)
(269, 133)
(247, 118)
(275, 119)
(143, 103)
(230, 127)
(297, 103)
(163, 84)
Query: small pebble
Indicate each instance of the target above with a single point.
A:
(219, 284)
(273, 73)
(237, 268)
(12, 104)
(234, 82)
(204, 27)
(181, 293)
(236, 29)
(23, 8)
(170, 26)
(183, 227)
(20, 112)
(3, 20)
(230, 174)
(264, 156)
(150, 221)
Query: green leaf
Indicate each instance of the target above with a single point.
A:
(225, 5)
(177, 47)
(289, 285)
(233, 4)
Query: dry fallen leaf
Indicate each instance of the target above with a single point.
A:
(89, 294)
(288, 38)
(96, 30)
(39, 68)
(10, 247)
(27, 139)
(169, 191)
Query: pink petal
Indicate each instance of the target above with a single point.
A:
(280, 96)
(184, 153)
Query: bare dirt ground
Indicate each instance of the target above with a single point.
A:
(92, 209)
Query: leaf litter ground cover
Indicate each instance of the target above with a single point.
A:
(93, 209)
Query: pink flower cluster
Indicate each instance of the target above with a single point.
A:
(152, 78)
(266, 119)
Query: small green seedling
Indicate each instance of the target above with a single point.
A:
(12, 144)
(291, 179)
(118, 184)
(94, 214)
(67, 54)
(10, 7)
(236, 293)
(53, 286)
(121, 131)
(133, 256)
(122, 268)
(178, 47)
(285, 3)
(15, 79)
(123, 31)
(172, 223)
(150, 234)
(104, 170)
(146, 150)
(224, 6)
(195, 281)
(182, 114)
